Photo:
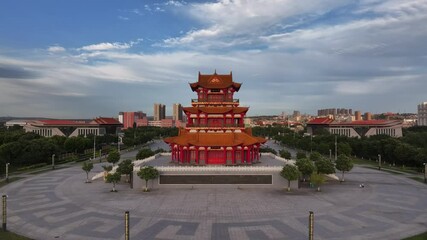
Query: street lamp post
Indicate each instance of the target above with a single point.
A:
(311, 143)
(379, 162)
(53, 161)
(330, 154)
(336, 147)
(94, 147)
(118, 144)
(310, 225)
(425, 173)
(7, 172)
(127, 235)
(4, 207)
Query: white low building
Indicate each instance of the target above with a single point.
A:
(362, 128)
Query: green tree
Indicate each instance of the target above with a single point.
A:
(317, 180)
(343, 164)
(344, 148)
(113, 178)
(268, 150)
(113, 156)
(325, 166)
(87, 167)
(107, 168)
(77, 144)
(305, 166)
(315, 156)
(290, 173)
(144, 153)
(285, 154)
(301, 155)
(126, 167)
(148, 173)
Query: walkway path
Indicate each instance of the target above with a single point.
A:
(59, 205)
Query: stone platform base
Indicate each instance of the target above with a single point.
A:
(265, 174)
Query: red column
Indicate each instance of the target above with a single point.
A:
(188, 155)
(248, 159)
(197, 155)
(173, 153)
(181, 154)
(242, 157)
(225, 155)
(206, 155)
(198, 119)
(232, 119)
(233, 155)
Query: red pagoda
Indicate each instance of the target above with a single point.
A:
(215, 132)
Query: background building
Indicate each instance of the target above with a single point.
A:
(129, 119)
(177, 112)
(368, 116)
(358, 115)
(357, 129)
(159, 112)
(71, 128)
(334, 112)
(422, 114)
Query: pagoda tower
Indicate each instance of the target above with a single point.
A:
(215, 132)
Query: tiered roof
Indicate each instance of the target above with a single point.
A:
(243, 137)
(215, 81)
(203, 139)
(215, 110)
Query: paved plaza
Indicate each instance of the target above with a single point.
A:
(59, 205)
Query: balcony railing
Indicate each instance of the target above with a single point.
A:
(204, 100)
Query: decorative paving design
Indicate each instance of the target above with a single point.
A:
(60, 205)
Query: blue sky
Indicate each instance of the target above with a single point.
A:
(87, 58)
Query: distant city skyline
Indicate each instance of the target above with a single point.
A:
(80, 59)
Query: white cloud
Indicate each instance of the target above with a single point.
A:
(105, 46)
(175, 3)
(56, 49)
(284, 56)
(246, 19)
(123, 18)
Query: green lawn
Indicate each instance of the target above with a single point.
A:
(11, 236)
(421, 236)
(11, 179)
(419, 179)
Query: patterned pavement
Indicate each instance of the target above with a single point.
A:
(59, 205)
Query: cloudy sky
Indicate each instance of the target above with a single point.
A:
(87, 58)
